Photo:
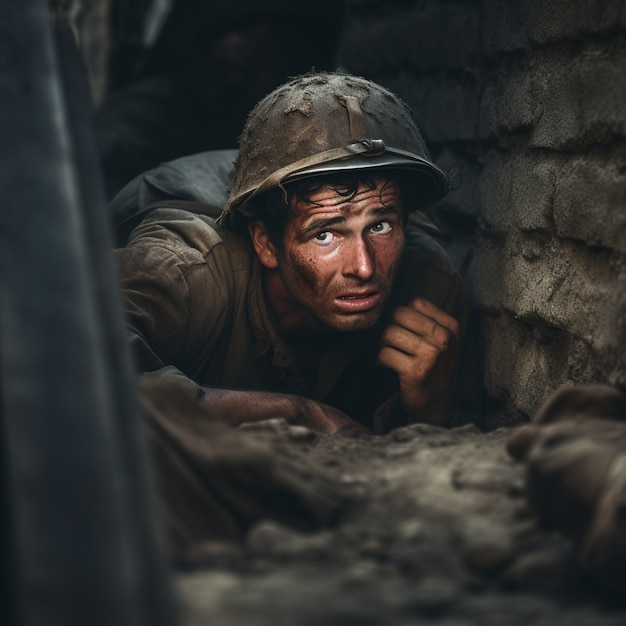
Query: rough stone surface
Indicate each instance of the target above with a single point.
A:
(537, 290)
(578, 96)
(516, 191)
(572, 19)
(507, 103)
(438, 532)
(522, 371)
(590, 198)
(549, 280)
(510, 26)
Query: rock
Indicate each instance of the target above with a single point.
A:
(268, 538)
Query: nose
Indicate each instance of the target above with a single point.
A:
(360, 260)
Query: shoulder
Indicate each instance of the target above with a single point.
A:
(423, 250)
(184, 256)
(181, 274)
(192, 238)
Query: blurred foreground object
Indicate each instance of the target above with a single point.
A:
(78, 534)
(575, 451)
(214, 482)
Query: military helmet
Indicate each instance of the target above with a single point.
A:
(324, 122)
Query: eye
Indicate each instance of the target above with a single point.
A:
(325, 237)
(382, 228)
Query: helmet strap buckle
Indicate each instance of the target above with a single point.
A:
(368, 147)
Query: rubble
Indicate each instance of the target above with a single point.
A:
(439, 531)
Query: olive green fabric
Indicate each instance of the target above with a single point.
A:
(195, 308)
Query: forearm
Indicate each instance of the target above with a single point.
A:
(238, 407)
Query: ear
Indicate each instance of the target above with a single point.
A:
(264, 248)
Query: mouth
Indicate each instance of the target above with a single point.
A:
(358, 302)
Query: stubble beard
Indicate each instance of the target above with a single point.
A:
(339, 321)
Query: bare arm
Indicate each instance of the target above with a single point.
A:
(239, 407)
(421, 345)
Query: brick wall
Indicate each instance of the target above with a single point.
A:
(527, 99)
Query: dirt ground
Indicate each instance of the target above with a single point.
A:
(434, 530)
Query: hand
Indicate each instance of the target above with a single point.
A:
(421, 345)
(239, 407)
(576, 478)
(326, 419)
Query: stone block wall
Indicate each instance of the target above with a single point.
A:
(527, 100)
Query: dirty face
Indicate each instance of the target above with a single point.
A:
(339, 257)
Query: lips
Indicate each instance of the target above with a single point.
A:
(358, 302)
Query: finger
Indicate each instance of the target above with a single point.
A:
(407, 364)
(410, 339)
(421, 324)
(407, 341)
(582, 400)
(427, 308)
(521, 440)
(353, 431)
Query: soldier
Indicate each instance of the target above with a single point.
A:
(317, 295)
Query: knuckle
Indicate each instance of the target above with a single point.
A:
(443, 336)
(383, 352)
(401, 314)
(388, 334)
(428, 358)
(431, 353)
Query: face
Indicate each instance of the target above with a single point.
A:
(338, 260)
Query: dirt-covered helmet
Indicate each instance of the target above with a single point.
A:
(321, 123)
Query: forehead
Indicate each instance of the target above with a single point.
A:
(345, 195)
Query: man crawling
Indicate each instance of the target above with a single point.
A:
(317, 296)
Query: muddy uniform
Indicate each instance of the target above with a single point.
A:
(196, 309)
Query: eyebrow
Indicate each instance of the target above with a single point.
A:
(324, 222)
(321, 224)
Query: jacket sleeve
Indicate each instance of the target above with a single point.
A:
(155, 291)
(175, 302)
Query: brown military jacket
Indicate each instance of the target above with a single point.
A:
(196, 309)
